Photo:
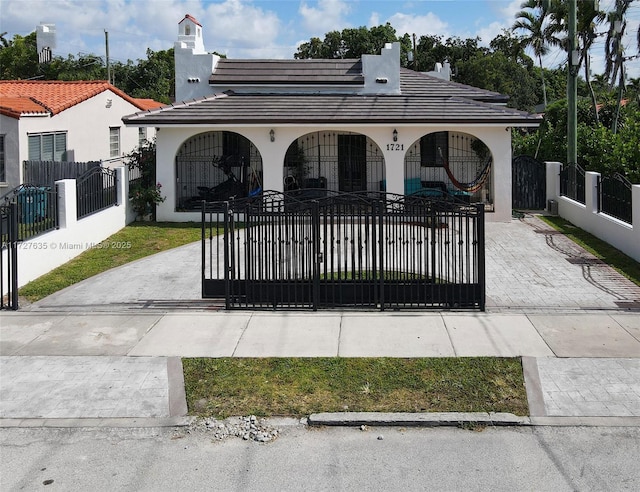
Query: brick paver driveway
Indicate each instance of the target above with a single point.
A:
(530, 268)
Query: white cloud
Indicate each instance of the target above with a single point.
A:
(429, 24)
(328, 15)
(236, 27)
(486, 34)
(236, 24)
(374, 19)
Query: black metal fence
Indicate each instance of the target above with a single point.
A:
(368, 250)
(46, 173)
(614, 197)
(95, 191)
(134, 176)
(529, 183)
(572, 182)
(9, 255)
(37, 210)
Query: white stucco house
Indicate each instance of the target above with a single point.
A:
(356, 125)
(64, 121)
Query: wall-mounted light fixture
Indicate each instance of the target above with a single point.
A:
(272, 135)
(395, 135)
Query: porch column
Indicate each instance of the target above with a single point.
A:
(499, 142)
(394, 170)
(272, 153)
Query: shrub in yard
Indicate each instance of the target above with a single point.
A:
(144, 192)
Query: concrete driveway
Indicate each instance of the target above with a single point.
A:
(529, 266)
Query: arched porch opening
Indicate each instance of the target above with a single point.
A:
(214, 166)
(450, 163)
(334, 160)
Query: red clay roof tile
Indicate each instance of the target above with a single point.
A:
(18, 97)
(191, 18)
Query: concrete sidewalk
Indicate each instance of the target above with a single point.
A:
(574, 320)
(114, 366)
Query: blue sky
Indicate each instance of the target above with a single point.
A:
(259, 28)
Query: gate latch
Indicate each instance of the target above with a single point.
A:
(320, 257)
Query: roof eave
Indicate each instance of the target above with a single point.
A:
(191, 121)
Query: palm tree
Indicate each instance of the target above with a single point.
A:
(588, 17)
(614, 51)
(533, 21)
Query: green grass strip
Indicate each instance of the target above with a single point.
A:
(622, 263)
(223, 387)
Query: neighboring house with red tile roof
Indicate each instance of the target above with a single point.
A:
(70, 121)
(344, 125)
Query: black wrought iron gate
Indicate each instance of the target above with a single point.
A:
(529, 183)
(346, 250)
(9, 259)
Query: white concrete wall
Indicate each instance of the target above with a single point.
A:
(193, 65)
(619, 234)
(497, 139)
(192, 73)
(43, 253)
(382, 72)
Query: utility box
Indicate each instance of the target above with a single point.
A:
(552, 207)
(33, 204)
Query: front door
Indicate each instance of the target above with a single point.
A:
(352, 163)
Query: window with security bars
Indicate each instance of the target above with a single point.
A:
(48, 146)
(434, 149)
(114, 141)
(3, 176)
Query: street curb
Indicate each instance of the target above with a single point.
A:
(124, 422)
(431, 419)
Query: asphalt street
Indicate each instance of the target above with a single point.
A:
(318, 459)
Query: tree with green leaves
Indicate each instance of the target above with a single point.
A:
(614, 50)
(348, 43)
(532, 20)
(151, 78)
(19, 58)
(588, 17)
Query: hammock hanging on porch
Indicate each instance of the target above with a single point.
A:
(255, 186)
(474, 185)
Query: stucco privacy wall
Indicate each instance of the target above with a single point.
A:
(625, 237)
(497, 138)
(43, 253)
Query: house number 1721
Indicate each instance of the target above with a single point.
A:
(395, 146)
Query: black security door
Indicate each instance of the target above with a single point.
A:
(352, 163)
